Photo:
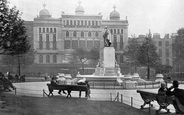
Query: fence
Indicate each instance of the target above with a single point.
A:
(130, 100)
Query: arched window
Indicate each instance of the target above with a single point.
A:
(67, 22)
(54, 59)
(47, 59)
(71, 22)
(74, 34)
(40, 58)
(96, 34)
(89, 34)
(82, 34)
(67, 34)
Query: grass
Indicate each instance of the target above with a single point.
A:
(59, 105)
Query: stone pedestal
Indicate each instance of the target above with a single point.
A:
(107, 64)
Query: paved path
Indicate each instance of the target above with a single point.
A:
(36, 89)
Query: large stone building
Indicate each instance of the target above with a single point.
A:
(55, 38)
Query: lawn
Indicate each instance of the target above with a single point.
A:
(60, 105)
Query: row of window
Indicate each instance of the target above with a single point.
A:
(81, 34)
(47, 30)
(48, 42)
(116, 31)
(81, 23)
(166, 43)
(167, 53)
(48, 38)
(48, 59)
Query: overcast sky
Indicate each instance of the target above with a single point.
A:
(161, 16)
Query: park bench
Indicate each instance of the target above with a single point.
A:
(163, 101)
(68, 88)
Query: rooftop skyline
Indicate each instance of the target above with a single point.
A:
(160, 16)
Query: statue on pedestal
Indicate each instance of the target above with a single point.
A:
(107, 38)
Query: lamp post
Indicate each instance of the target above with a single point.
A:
(18, 57)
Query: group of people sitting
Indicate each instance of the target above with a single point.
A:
(54, 81)
(173, 90)
(5, 82)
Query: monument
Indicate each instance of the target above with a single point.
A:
(107, 67)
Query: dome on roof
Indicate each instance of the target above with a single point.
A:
(114, 15)
(44, 13)
(79, 10)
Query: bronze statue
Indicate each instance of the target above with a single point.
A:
(107, 38)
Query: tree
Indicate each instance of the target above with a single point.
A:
(25, 59)
(147, 55)
(178, 47)
(131, 52)
(94, 54)
(79, 56)
(13, 38)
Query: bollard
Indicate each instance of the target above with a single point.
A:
(111, 96)
(118, 97)
(131, 101)
(15, 90)
(121, 98)
(43, 93)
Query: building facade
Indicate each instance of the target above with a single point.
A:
(55, 38)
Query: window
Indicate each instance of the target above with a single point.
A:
(114, 31)
(121, 31)
(40, 58)
(160, 52)
(96, 23)
(47, 30)
(74, 44)
(40, 30)
(67, 44)
(54, 42)
(74, 34)
(121, 42)
(54, 30)
(89, 34)
(96, 34)
(160, 43)
(40, 42)
(74, 22)
(97, 44)
(67, 34)
(166, 43)
(167, 53)
(82, 23)
(86, 23)
(82, 44)
(115, 42)
(89, 45)
(47, 58)
(50, 30)
(43, 30)
(93, 23)
(47, 42)
(71, 23)
(121, 58)
(111, 31)
(64, 22)
(54, 59)
(78, 22)
(89, 23)
(67, 22)
(167, 61)
(82, 34)
(118, 31)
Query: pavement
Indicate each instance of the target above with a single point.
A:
(130, 97)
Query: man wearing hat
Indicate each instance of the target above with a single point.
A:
(179, 93)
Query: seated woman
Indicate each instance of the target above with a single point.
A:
(162, 98)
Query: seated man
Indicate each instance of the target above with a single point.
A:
(178, 93)
(55, 82)
(162, 90)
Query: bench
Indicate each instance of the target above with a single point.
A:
(69, 88)
(163, 101)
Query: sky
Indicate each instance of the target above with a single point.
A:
(160, 16)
